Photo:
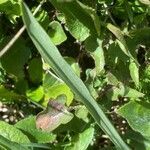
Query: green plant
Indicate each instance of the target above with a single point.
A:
(105, 66)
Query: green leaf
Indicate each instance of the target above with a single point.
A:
(134, 72)
(53, 88)
(82, 113)
(121, 40)
(54, 115)
(11, 8)
(59, 89)
(14, 60)
(28, 126)
(137, 114)
(56, 33)
(35, 94)
(80, 23)
(12, 133)
(52, 56)
(8, 95)
(82, 141)
(6, 144)
(35, 70)
(132, 93)
(94, 46)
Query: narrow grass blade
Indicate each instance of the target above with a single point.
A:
(52, 56)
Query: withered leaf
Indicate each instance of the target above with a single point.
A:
(54, 115)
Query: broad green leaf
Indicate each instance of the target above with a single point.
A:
(121, 41)
(132, 93)
(120, 90)
(14, 60)
(134, 72)
(82, 113)
(116, 54)
(80, 23)
(53, 88)
(54, 115)
(94, 46)
(12, 133)
(8, 95)
(59, 89)
(35, 70)
(28, 126)
(52, 56)
(82, 141)
(6, 144)
(56, 33)
(35, 94)
(137, 114)
(92, 13)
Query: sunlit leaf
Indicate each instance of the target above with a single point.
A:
(13, 134)
(134, 72)
(82, 141)
(137, 114)
(56, 33)
(35, 94)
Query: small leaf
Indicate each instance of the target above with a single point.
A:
(137, 114)
(54, 115)
(28, 126)
(132, 93)
(94, 46)
(56, 33)
(121, 40)
(134, 72)
(82, 141)
(82, 113)
(53, 88)
(35, 94)
(12, 133)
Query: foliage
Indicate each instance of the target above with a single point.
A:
(105, 48)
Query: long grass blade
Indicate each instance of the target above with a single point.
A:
(52, 56)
